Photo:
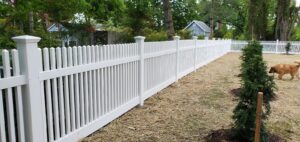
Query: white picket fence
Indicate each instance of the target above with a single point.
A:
(65, 94)
(276, 47)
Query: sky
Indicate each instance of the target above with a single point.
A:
(297, 2)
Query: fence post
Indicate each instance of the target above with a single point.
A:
(176, 39)
(140, 41)
(258, 116)
(230, 45)
(31, 65)
(277, 42)
(195, 52)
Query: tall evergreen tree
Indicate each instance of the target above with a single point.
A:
(254, 79)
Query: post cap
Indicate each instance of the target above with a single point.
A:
(176, 37)
(195, 37)
(139, 38)
(26, 39)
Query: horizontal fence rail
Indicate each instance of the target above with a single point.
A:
(64, 94)
(276, 47)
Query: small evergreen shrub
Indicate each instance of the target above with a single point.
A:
(288, 48)
(201, 37)
(254, 79)
(157, 36)
(185, 34)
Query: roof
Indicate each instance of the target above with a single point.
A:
(100, 27)
(201, 24)
(56, 27)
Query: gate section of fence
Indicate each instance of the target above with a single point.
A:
(276, 47)
(65, 94)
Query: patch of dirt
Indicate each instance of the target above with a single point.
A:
(236, 91)
(223, 135)
(202, 102)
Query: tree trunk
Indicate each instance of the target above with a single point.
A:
(257, 19)
(92, 42)
(212, 20)
(284, 20)
(31, 22)
(211, 27)
(168, 19)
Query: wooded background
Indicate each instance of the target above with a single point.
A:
(155, 19)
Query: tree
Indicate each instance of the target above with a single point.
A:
(138, 16)
(257, 19)
(168, 19)
(254, 79)
(184, 11)
(286, 17)
(220, 14)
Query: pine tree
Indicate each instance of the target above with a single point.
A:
(254, 79)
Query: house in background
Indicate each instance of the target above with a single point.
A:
(100, 36)
(66, 40)
(198, 28)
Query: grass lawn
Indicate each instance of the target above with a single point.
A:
(201, 102)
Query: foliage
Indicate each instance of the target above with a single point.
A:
(157, 36)
(229, 18)
(47, 39)
(201, 37)
(257, 19)
(35, 16)
(254, 79)
(288, 48)
(228, 34)
(138, 15)
(296, 33)
(184, 34)
(241, 37)
(7, 33)
(184, 12)
(105, 10)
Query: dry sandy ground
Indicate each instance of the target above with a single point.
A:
(201, 102)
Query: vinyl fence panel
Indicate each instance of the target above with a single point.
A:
(64, 94)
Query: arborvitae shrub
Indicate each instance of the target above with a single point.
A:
(288, 48)
(254, 79)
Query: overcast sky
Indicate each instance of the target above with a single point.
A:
(297, 2)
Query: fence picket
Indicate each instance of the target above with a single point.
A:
(19, 102)
(90, 85)
(61, 94)
(9, 98)
(85, 83)
(81, 89)
(66, 90)
(2, 120)
(94, 84)
(71, 85)
(77, 103)
(48, 96)
(55, 96)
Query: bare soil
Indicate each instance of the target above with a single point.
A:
(202, 102)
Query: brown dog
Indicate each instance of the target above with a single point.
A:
(282, 69)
